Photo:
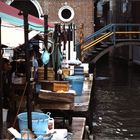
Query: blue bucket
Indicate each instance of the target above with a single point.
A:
(76, 82)
(38, 138)
(39, 122)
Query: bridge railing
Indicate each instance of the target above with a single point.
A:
(127, 32)
(92, 37)
(113, 32)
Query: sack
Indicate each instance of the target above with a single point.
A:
(45, 57)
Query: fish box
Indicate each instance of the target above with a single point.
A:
(55, 86)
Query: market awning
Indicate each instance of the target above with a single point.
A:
(12, 27)
(12, 36)
(11, 15)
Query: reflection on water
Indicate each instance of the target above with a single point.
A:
(117, 102)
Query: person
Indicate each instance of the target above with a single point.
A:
(6, 80)
(34, 65)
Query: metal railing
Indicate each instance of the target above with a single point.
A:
(112, 33)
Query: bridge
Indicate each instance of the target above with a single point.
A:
(107, 38)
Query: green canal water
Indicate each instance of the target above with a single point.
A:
(116, 113)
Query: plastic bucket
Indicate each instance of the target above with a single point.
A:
(39, 122)
(38, 138)
(76, 82)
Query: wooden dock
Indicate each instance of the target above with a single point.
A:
(78, 128)
(79, 113)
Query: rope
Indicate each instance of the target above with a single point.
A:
(52, 46)
(20, 103)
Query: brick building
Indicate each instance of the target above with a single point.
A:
(83, 11)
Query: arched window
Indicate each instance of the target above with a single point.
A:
(32, 6)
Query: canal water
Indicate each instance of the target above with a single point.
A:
(116, 113)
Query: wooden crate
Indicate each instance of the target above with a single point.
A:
(66, 72)
(50, 72)
(55, 86)
(40, 73)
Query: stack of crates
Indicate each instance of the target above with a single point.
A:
(51, 74)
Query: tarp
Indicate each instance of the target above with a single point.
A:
(11, 15)
(12, 36)
(12, 28)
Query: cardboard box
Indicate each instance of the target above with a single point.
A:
(55, 86)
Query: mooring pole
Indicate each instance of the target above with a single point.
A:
(28, 68)
(1, 85)
(46, 43)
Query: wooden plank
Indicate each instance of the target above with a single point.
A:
(54, 106)
(57, 97)
(78, 127)
(81, 103)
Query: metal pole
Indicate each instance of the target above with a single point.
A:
(74, 37)
(69, 33)
(28, 67)
(64, 37)
(81, 40)
(1, 85)
(55, 50)
(46, 43)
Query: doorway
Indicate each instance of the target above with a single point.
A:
(135, 11)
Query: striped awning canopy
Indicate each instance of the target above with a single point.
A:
(12, 27)
(12, 36)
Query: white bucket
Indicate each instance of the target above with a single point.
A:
(91, 76)
(4, 111)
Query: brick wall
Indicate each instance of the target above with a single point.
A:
(83, 9)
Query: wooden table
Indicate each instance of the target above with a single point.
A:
(81, 107)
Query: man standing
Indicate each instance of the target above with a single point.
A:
(6, 79)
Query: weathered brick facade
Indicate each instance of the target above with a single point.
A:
(83, 9)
